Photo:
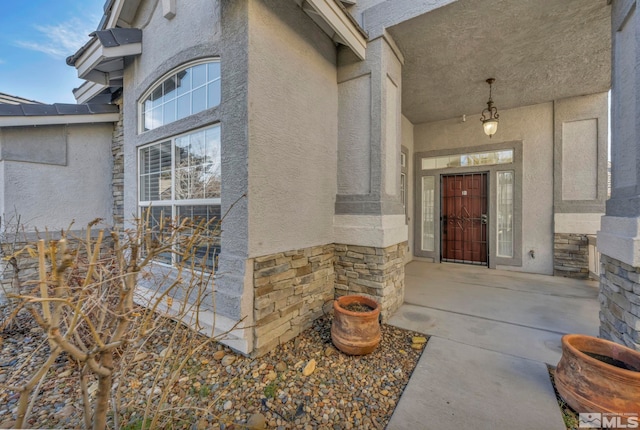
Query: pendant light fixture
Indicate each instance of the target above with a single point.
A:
(490, 115)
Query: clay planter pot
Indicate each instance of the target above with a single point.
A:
(355, 333)
(588, 384)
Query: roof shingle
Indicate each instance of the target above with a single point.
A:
(56, 109)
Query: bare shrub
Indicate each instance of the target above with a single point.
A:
(84, 300)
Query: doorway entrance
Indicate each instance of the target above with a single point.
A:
(464, 212)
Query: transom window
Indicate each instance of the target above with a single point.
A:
(185, 92)
(181, 177)
(488, 158)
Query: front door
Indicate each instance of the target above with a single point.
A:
(464, 218)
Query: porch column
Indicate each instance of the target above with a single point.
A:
(370, 229)
(619, 237)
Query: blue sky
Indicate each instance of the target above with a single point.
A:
(36, 38)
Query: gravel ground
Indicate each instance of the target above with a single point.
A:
(569, 416)
(221, 389)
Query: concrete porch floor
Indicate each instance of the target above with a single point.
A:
(492, 334)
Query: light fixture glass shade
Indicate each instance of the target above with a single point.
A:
(490, 127)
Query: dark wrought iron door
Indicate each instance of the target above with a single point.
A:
(464, 218)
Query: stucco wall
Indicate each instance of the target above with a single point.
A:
(52, 195)
(293, 101)
(533, 125)
(197, 22)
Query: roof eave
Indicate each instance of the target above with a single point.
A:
(88, 91)
(334, 20)
(96, 54)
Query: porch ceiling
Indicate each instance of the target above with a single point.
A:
(538, 51)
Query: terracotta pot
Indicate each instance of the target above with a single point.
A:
(591, 385)
(355, 333)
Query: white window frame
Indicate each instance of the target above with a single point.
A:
(403, 191)
(166, 76)
(174, 203)
(428, 242)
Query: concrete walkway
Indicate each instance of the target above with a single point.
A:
(492, 333)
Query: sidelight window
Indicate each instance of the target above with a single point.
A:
(505, 213)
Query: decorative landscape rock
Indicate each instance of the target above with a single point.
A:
(309, 368)
(419, 339)
(228, 360)
(257, 422)
(341, 387)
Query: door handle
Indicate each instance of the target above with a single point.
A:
(483, 218)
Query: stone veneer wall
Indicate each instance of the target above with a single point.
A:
(374, 272)
(28, 266)
(571, 255)
(620, 302)
(290, 289)
(117, 180)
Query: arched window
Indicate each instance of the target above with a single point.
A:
(186, 91)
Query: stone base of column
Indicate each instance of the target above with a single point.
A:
(620, 302)
(373, 272)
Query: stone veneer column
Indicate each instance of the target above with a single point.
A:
(374, 272)
(117, 177)
(619, 236)
(369, 224)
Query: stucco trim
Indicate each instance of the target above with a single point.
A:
(577, 223)
(516, 167)
(366, 204)
(367, 230)
(589, 107)
(619, 238)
